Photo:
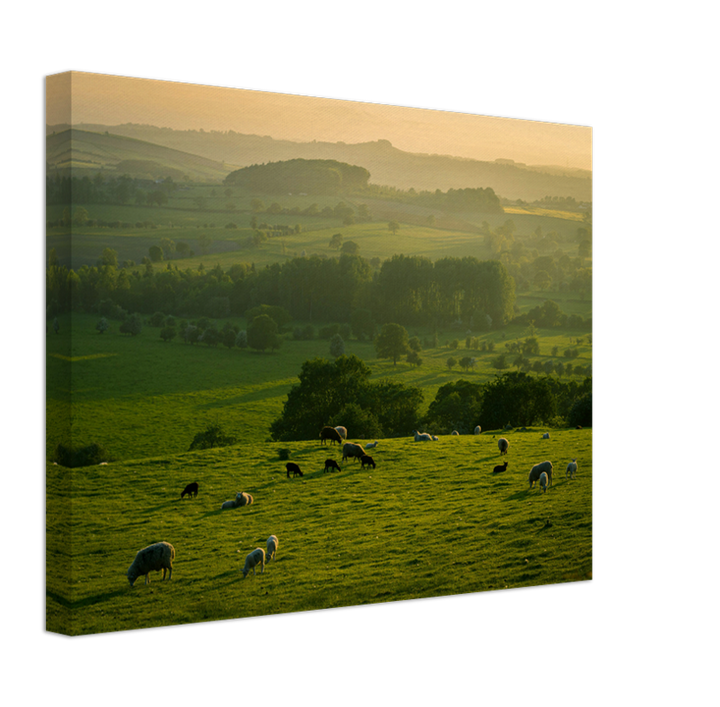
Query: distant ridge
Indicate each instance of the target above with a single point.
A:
(387, 164)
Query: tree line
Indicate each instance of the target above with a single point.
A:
(405, 289)
(340, 393)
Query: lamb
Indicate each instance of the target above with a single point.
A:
(329, 433)
(293, 468)
(538, 469)
(152, 558)
(331, 464)
(366, 460)
(227, 505)
(503, 445)
(546, 436)
(243, 499)
(455, 432)
(543, 481)
(371, 445)
(342, 432)
(256, 557)
(352, 450)
(478, 430)
(434, 438)
(422, 437)
(571, 469)
(272, 545)
(500, 468)
(191, 490)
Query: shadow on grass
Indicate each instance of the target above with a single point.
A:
(87, 601)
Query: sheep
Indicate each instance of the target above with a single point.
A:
(256, 557)
(538, 469)
(543, 481)
(293, 468)
(478, 430)
(227, 505)
(422, 437)
(546, 436)
(272, 545)
(366, 460)
(191, 490)
(371, 445)
(329, 433)
(571, 469)
(455, 432)
(331, 464)
(352, 450)
(342, 432)
(152, 558)
(503, 445)
(243, 499)
(434, 438)
(500, 468)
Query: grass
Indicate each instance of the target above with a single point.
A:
(430, 520)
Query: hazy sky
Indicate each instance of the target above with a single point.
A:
(113, 100)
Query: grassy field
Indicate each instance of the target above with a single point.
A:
(430, 520)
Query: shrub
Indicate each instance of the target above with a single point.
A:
(212, 436)
(156, 319)
(90, 455)
(102, 326)
(168, 333)
(337, 346)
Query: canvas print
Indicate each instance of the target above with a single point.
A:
(305, 353)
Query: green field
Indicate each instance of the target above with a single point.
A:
(430, 520)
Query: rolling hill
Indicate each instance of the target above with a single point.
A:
(225, 151)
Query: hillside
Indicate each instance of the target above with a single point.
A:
(387, 165)
(89, 152)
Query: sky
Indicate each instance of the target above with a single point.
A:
(114, 100)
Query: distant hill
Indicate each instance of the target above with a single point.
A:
(387, 165)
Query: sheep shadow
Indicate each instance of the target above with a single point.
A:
(87, 601)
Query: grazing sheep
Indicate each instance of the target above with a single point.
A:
(546, 436)
(503, 445)
(293, 468)
(256, 557)
(371, 445)
(434, 438)
(227, 505)
(330, 433)
(152, 558)
(342, 432)
(455, 432)
(422, 437)
(190, 490)
(272, 545)
(571, 469)
(331, 464)
(500, 468)
(542, 467)
(352, 450)
(578, 427)
(366, 460)
(543, 481)
(478, 430)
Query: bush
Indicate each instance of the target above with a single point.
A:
(132, 325)
(156, 319)
(327, 332)
(581, 412)
(212, 436)
(168, 333)
(90, 455)
(337, 346)
(102, 326)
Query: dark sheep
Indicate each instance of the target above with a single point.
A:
(499, 468)
(330, 433)
(352, 450)
(190, 490)
(293, 468)
(331, 464)
(367, 460)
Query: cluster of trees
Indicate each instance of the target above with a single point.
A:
(406, 290)
(107, 190)
(549, 315)
(300, 176)
(479, 199)
(340, 393)
(342, 211)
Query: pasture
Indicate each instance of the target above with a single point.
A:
(430, 520)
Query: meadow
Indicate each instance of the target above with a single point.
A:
(431, 519)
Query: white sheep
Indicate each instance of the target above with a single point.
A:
(571, 469)
(243, 499)
(455, 432)
(503, 445)
(228, 504)
(434, 438)
(546, 436)
(152, 558)
(478, 430)
(543, 481)
(371, 445)
(342, 432)
(256, 557)
(272, 545)
(422, 437)
(543, 467)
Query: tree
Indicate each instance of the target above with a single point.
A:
(337, 346)
(452, 361)
(414, 358)
(350, 248)
(156, 253)
(262, 334)
(102, 326)
(132, 325)
(394, 227)
(81, 216)
(523, 399)
(168, 333)
(336, 241)
(392, 342)
(362, 324)
(456, 407)
(415, 344)
(212, 436)
(109, 257)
